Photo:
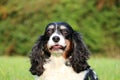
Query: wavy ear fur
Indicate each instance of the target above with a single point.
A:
(80, 54)
(38, 56)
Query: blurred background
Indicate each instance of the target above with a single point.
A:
(22, 21)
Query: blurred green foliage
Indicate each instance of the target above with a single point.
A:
(22, 21)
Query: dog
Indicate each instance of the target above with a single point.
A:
(61, 54)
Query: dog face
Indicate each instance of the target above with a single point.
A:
(59, 38)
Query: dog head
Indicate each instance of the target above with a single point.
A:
(59, 39)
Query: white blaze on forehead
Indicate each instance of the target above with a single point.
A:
(62, 27)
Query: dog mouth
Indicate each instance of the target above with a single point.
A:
(57, 47)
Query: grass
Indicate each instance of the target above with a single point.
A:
(106, 68)
(17, 68)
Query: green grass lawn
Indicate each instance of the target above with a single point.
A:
(17, 68)
(106, 68)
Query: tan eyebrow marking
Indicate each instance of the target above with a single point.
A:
(62, 27)
(51, 26)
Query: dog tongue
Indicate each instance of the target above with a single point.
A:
(57, 47)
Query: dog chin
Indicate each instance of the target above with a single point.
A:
(57, 52)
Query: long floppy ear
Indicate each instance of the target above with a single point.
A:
(38, 56)
(80, 54)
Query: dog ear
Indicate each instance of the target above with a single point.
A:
(80, 54)
(37, 57)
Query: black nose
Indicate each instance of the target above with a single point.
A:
(55, 38)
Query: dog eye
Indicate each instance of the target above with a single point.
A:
(64, 31)
(49, 31)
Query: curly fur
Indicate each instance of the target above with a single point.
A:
(80, 54)
(38, 56)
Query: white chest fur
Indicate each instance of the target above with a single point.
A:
(56, 69)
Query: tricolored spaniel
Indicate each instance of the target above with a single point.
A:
(60, 54)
